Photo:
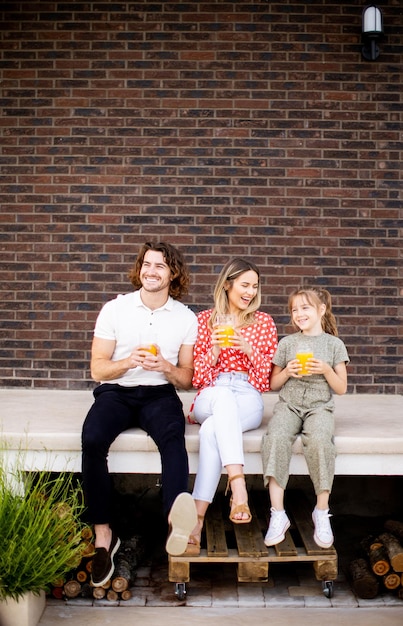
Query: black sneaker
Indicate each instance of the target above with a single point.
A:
(102, 563)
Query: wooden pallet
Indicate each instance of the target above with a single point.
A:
(243, 544)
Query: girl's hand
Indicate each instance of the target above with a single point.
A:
(293, 368)
(315, 366)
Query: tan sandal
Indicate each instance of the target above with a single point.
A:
(238, 508)
(193, 547)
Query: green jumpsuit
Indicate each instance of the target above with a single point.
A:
(305, 407)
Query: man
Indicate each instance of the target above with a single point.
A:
(138, 388)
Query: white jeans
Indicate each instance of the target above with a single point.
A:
(225, 410)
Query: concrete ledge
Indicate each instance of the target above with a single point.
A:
(46, 424)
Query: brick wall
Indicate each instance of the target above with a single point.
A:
(227, 128)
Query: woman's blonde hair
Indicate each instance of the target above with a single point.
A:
(232, 270)
(316, 296)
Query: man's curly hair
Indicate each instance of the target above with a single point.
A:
(180, 278)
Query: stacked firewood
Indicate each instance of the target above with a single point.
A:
(80, 570)
(78, 582)
(381, 565)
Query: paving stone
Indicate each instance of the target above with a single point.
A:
(250, 594)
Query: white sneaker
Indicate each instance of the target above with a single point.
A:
(279, 524)
(323, 535)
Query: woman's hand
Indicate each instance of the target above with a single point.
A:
(239, 343)
(216, 337)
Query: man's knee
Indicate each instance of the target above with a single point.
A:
(174, 430)
(94, 440)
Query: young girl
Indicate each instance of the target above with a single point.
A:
(305, 406)
(230, 380)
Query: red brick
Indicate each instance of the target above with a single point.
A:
(229, 128)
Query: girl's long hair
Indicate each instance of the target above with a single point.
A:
(232, 270)
(316, 296)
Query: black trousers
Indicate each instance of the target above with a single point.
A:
(155, 409)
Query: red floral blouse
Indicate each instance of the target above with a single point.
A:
(261, 335)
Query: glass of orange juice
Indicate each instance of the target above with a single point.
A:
(226, 327)
(302, 356)
(149, 342)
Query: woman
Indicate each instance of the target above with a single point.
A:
(230, 381)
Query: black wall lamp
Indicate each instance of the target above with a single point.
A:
(372, 30)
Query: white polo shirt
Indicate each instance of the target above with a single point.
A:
(125, 320)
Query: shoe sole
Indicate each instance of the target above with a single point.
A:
(278, 539)
(183, 519)
(112, 568)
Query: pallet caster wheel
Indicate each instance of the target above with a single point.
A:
(180, 591)
(327, 587)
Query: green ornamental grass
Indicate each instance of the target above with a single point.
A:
(40, 530)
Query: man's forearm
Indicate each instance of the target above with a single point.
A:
(104, 369)
(180, 377)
